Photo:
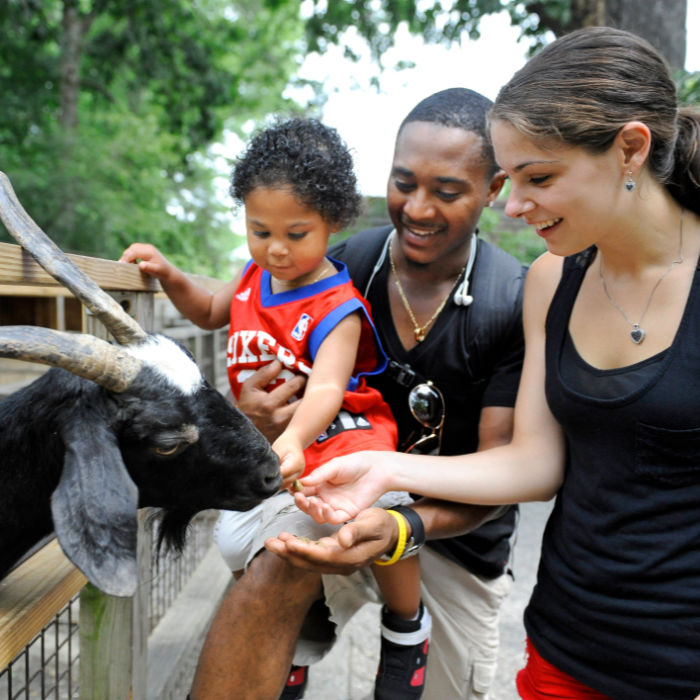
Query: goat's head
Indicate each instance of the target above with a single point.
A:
(147, 431)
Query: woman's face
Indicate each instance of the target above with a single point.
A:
(571, 197)
(438, 186)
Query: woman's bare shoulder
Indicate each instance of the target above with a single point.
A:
(543, 276)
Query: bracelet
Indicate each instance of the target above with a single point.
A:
(417, 538)
(400, 543)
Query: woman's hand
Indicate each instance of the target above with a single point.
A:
(355, 546)
(340, 489)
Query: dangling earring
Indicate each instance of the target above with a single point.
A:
(630, 184)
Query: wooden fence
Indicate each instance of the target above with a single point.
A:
(139, 648)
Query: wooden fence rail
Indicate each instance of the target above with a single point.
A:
(121, 656)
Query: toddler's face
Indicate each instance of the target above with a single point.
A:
(286, 237)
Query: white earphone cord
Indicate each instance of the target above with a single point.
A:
(461, 296)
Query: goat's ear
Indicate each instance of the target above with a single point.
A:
(95, 505)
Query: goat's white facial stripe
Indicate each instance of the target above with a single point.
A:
(170, 361)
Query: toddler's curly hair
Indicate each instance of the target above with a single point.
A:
(310, 159)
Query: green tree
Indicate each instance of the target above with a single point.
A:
(688, 87)
(109, 107)
(661, 22)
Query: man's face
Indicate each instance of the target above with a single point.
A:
(438, 186)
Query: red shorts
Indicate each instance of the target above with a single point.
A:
(539, 680)
(353, 432)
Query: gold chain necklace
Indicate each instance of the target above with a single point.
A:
(327, 266)
(419, 331)
(637, 333)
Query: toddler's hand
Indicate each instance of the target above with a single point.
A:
(149, 259)
(292, 462)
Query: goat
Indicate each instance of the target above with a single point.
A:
(111, 428)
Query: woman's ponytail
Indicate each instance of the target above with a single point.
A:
(684, 183)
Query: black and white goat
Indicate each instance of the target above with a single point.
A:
(112, 428)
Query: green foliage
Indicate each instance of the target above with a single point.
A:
(688, 87)
(515, 237)
(152, 84)
(377, 23)
(437, 21)
(110, 106)
(447, 21)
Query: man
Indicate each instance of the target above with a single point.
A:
(448, 310)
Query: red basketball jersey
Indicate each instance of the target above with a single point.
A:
(290, 326)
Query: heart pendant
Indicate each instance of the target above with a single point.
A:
(637, 335)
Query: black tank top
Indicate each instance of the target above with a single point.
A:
(584, 379)
(617, 602)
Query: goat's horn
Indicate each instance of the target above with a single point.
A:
(85, 355)
(26, 232)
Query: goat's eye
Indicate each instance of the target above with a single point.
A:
(171, 442)
(167, 451)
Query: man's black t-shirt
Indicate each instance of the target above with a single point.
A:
(473, 354)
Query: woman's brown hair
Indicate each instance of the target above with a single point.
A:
(582, 88)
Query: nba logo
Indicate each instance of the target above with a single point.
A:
(302, 326)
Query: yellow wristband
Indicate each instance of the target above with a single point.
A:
(400, 543)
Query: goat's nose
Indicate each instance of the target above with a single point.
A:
(271, 484)
(272, 478)
(273, 481)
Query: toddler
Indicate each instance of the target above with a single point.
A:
(293, 304)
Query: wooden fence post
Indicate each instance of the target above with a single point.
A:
(114, 631)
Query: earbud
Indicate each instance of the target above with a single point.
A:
(461, 296)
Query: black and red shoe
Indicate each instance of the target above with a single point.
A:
(296, 683)
(401, 672)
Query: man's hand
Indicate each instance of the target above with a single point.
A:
(271, 412)
(355, 546)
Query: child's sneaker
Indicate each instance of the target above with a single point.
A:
(404, 653)
(296, 683)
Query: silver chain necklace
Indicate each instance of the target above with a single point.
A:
(637, 333)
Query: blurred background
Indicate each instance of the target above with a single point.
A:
(120, 119)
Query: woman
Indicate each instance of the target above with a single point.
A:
(607, 169)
